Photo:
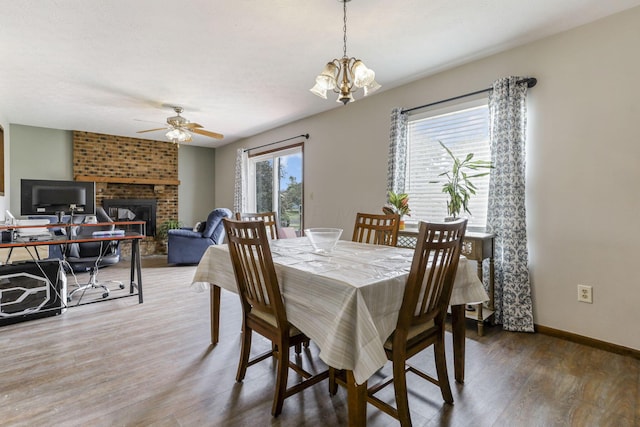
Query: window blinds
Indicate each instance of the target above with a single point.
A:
(463, 131)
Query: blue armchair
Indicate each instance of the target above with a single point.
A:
(186, 246)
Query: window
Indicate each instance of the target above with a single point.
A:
(464, 129)
(275, 184)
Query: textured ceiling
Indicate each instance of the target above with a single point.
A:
(243, 66)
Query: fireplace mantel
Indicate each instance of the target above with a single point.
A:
(127, 180)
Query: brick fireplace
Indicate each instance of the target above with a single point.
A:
(129, 168)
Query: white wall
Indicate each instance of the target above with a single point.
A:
(196, 165)
(582, 167)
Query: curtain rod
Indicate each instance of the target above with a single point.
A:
(306, 136)
(531, 82)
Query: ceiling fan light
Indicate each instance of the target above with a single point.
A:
(180, 128)
(178, 135)
(173, 134)
(184, 136)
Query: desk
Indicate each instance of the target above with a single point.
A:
(133, 236)
(477, 247)
(346, 302)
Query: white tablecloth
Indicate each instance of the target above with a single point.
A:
(347, 301)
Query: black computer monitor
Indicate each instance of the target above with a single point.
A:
(49, 197)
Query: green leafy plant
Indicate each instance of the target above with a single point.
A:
(459, 186)
(163, 230)
(399, 203)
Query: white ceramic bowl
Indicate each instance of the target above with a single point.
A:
(323, 239)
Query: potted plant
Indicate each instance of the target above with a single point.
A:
(459, 185)
(399, 203)
(162, 232)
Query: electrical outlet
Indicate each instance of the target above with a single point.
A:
(585, 294)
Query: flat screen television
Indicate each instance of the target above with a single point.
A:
(48, 197)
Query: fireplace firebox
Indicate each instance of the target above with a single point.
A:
(133, 210)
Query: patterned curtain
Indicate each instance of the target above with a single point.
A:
(240, 191)
(506, 216)
(397, 162)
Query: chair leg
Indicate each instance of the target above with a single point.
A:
(93, 284)
(105, 290)
(244, 353)
(333, 385)
(305, 343)
(400, 388)
(441, 369)
(282, 375)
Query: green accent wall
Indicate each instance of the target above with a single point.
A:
(38, 153)
(196, 172)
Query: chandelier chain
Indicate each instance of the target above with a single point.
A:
(344, 27)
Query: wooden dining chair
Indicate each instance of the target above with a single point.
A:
(377, 229)
(270, 221)
(422, 314)
(263, 308)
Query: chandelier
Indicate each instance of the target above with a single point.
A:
(346, 75)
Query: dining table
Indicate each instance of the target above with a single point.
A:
(346, 301)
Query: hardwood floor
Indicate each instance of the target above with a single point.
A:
(120, 363)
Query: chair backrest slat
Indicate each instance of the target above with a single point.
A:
(270, 221)
(254, 270)
(377, 229)
(432, 273)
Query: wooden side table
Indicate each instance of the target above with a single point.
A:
(477, 247)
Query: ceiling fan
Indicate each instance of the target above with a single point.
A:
(180, 129)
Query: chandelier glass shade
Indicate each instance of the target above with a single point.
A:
(346, 75)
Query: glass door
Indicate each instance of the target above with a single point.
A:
(276, 184)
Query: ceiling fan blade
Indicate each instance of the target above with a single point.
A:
(151, 130)
(207, 133)
(149, 121)
(191, 125)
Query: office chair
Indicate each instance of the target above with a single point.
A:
(90, 256)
